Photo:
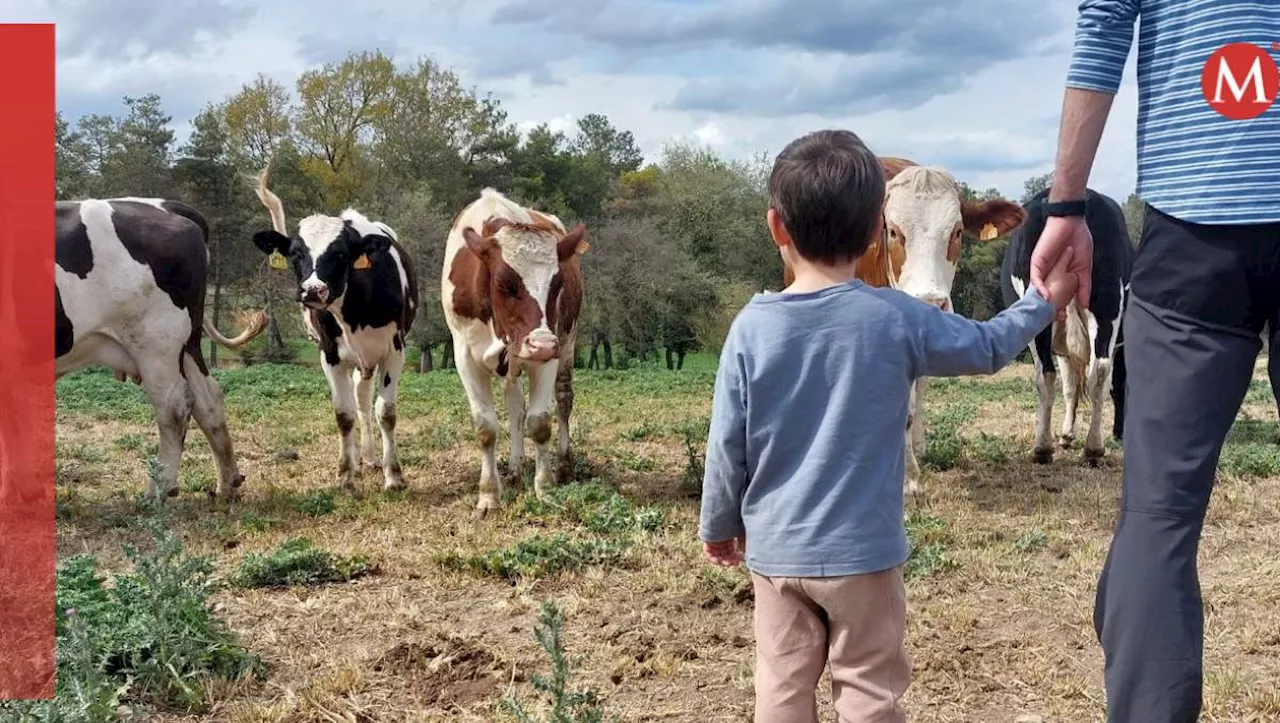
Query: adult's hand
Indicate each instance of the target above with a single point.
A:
(1061, 233)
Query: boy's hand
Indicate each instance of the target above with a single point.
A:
(727, 553)
(1062, 283)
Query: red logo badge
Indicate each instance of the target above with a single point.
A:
(1240, 81)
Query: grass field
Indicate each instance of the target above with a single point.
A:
(399, 607)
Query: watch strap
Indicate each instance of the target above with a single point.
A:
(1065, 208)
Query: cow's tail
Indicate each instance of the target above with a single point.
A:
(271, 201)
(252, 322)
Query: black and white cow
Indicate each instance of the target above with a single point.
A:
(1087, 341)
(130, 281)
(359, 294)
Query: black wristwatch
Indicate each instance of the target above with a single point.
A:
(1065, 208)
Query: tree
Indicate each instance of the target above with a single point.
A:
(258, 121)
(73, 160)
(340, 104)
(210, 183)
(139, 159)
(1035, 185)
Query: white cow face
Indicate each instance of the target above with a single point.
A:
(321, 256)
(926, 217)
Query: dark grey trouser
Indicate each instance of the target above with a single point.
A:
(1200, 296)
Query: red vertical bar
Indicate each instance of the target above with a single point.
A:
(26, 362)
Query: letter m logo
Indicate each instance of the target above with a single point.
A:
(1240, 81)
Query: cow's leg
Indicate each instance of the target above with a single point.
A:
(541, 390)
(171, 398)
(1071, 400)
(477, 383)
(210, 412)
(392, 368)
(917, 421)
(364, 409)
(514, 392)
(1042, 354)
(911, 483)
(1098, 381)
(564, 409)
(343, 394)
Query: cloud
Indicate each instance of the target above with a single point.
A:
(973, 86)
(120, 29)
(828, 56)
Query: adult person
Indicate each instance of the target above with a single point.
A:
(1205, 281)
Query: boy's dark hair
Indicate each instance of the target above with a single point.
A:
(828, 189)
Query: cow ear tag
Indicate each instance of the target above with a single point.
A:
(362, 262)
(276, 260)
(988, 232)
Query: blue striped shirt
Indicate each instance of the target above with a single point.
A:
(1193, 163)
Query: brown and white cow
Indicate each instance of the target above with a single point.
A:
(926, 217)
(511, 289)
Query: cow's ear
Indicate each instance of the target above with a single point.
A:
(990, 219)
(271, 240)
(574, 242)
(479, 245)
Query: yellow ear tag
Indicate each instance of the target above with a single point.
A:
(988, 232)
(582, 247)
(362, 262)
(277, 260)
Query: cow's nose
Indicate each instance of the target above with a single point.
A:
(942, 302)
(541, 349)
(319, 292)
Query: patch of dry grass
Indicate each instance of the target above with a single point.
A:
(1002, 630)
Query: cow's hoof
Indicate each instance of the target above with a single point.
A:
(393, 483)
(229, 494)
(1065, 441)
(171, 492)
(1093, 457)
(237, 481)
(485, 508)
(1043, 456)
(346, 481)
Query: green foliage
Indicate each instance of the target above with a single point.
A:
(566, 705)
(538, 557)
(148, 637)
(929, 542)
(594, 507)
(297, 561)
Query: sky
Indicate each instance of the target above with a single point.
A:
(973, 86)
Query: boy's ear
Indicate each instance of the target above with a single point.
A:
(781, 237)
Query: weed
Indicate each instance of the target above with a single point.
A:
(929, 543)
(297, 561)
(596, 507)
(1033, 540)
(148, 637)
(567, 706)
(538, 557)
(315, 504)
(1255, 459)
(693, 434)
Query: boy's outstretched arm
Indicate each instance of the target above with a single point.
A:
(951, 345)
(726, 458)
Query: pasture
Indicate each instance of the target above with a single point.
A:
(421, 613)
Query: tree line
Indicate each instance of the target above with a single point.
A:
(678, 242)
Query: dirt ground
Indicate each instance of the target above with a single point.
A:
(999, 610)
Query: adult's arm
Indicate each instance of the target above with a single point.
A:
(1104, 35)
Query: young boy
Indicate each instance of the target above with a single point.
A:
(804, 464)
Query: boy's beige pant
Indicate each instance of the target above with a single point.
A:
(856, 624)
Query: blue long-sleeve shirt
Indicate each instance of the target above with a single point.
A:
(1193, 163)
(805, 454)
